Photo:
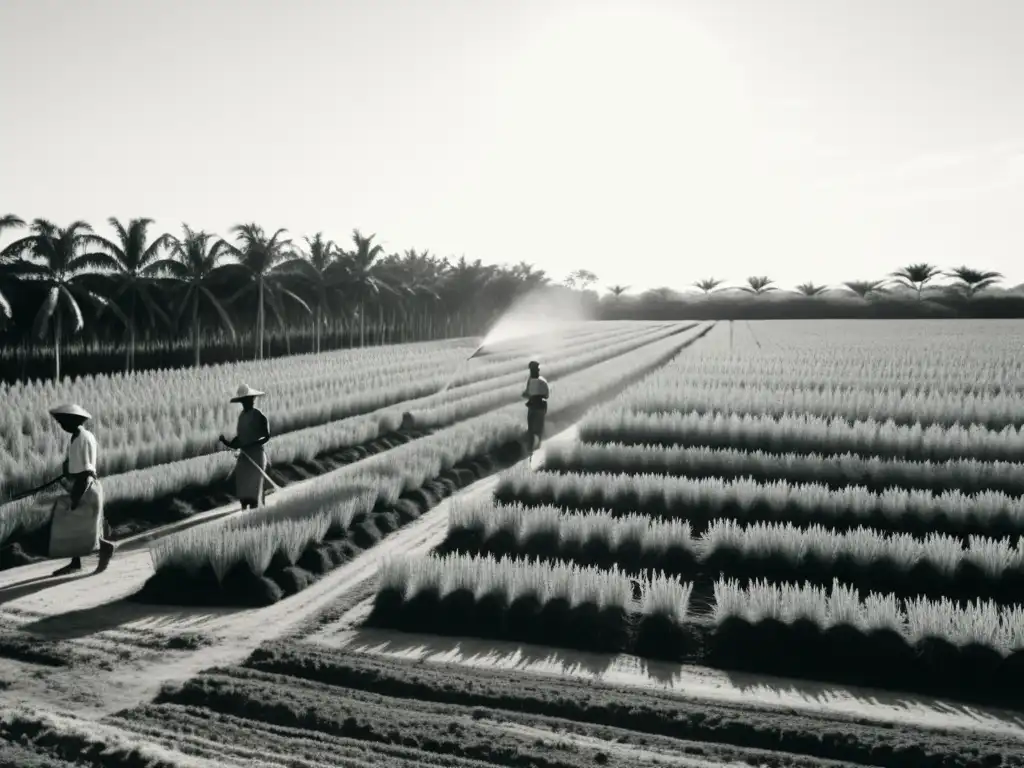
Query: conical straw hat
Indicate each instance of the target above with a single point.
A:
(245, 391)
(71, 409)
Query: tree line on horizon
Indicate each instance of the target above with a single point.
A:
(58, 283)
(915, 277)
(70, 279)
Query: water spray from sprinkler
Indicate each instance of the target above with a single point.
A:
(541, 313)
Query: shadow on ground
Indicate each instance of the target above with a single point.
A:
(100, 618)
(772, 688)
(36, 584)
(463, 650)
(685, 680)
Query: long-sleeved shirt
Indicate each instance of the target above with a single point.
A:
(537, 387)
(82, 453)
(536, 393)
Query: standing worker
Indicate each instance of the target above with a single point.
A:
(253, 432)
(77, 524)
(536, 394)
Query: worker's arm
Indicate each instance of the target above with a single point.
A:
(84, 448)
(79, 487)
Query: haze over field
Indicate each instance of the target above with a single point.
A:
(654, 143)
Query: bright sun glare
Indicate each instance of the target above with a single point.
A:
(632, 118)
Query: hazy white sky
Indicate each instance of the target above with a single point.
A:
(654, 143)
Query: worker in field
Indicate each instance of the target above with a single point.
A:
(76, 526)
(251, 435)
(536, 394)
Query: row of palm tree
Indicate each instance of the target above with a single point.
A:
(916, 277)
(135, 279)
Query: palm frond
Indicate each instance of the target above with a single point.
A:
(164, 242)
(225, 318)
(6, 313)
(165, 267)
(16, 250)
(45, 312)
(95, 260)
(179, 310)
(102, 303)
(152, 306)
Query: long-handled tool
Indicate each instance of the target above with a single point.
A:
(258, 469)
(34, 491)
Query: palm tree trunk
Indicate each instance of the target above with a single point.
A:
(130, 352)
(56, 345)
(319, 322)
(362, 323)
(259, 322)
(195, 327)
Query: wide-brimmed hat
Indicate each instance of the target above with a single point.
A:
(244, 392)
(71, 409)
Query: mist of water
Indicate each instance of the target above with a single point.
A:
(543, 313)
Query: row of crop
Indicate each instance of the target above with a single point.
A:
(160, 435)
(702, 501)
(957, 342)
(964, 475)
(306, 444)
(142, 430)
(905, 369)
(904, 383)
(385, 490)
(442, 414)
(796, 629)
(121, 399)
(802, 433)
(937, 566)
(994, 412)
(163, 480)
(476, 435)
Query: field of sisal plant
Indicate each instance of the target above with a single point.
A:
(369, 420)
(839, 501)
(280, 550)
(157, 417)
(651, 536)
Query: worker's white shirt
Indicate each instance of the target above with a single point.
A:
(537, 387)
(82, 452)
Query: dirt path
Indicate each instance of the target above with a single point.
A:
(103, 626)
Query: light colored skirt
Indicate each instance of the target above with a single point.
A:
(248, 479)
(77, 532)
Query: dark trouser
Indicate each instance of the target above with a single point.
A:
(535, 422)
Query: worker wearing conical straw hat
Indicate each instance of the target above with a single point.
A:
(252, 434)
(76, 527)
(536, 393)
